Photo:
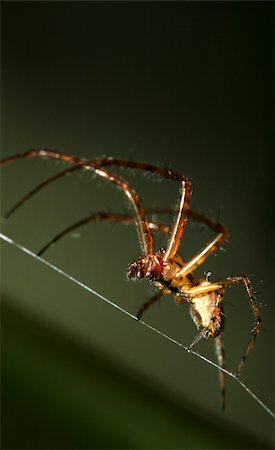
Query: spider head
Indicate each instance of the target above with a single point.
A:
(150, 267)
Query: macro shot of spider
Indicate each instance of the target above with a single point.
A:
(163, 267)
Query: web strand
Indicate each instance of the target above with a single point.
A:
(132, 316)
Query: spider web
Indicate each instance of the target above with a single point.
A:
(150, 327)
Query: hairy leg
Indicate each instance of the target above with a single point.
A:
(256, 313)
(110, 217)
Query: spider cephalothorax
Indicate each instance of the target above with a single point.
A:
(168, 271)
(157, 269)
(150, 266)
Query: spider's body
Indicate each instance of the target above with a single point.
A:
(206, 307)
(165, 268)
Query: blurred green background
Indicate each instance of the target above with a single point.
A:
(182, 84)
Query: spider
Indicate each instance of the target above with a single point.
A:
(165, 268)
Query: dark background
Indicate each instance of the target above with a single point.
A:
(182, 84)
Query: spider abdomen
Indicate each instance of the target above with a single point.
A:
(207, 313)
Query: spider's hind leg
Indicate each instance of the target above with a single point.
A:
(256, 312)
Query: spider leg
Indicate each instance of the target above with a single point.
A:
(149, 303)
(182, 212)
(145, 233)
(120, 218)
(196, 339)
(198, 259)
(177, 229)
(256, 312)
(220, 355)
(186, 295)
(43, 152)
(178, 226)
(112, 217)
(81, 163)
(78, 163)
(39, 187)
